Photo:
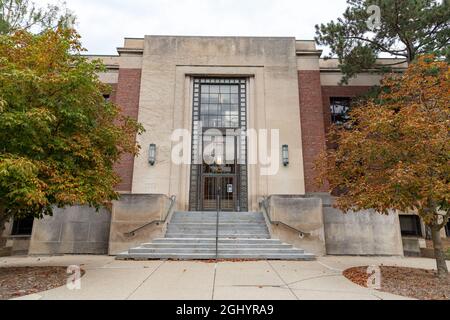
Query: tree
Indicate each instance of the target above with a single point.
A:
(407, 28)
(59, 137)
(394, 154)
(26, 15)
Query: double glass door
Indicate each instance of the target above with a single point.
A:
(219, 173)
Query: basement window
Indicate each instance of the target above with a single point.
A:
(411, 226)
(340, 108)
(22, 227)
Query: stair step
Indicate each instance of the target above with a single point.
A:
(201, 249)
(213, 241)
(213, 215)
(221, 217)
(213, 246)
(214, 224)
(192, 236)
(194, 229)
(199, 256)
(222, 236)
(222, 233)
(214, 227)
(244, 251)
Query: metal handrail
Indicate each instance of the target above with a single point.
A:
(173, 200)
(217, 224)
(269, 219)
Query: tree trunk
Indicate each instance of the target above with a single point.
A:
(439, 253)
(3, 220)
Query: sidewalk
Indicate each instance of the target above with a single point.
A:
(107, 278)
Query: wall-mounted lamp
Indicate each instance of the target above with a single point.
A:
(152, 154)
(285, 154)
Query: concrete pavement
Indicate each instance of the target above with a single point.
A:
(109, 279)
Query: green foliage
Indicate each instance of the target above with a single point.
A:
(59, 138)
(408, 28)
(26, 15)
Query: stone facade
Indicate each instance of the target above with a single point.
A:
(289, 88)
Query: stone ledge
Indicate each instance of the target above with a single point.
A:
(6, 252)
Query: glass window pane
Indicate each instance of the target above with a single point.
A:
(340, 108)
(234, 113)
(235, 122)
(225, 89)
(213, 121)
(205, 88)
(234, 98)
(225, 99)
(234, 89)
(214, 89)
(204, 119)
(214, 109)
(204, 109)
(205, 98)
(214, 98)
(228, 122)
(226, 109)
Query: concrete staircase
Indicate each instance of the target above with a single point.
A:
(192, 236)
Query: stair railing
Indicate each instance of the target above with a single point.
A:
(266, 211)
(173, 200)
(217, 222)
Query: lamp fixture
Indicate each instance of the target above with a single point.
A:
(152, 154)
(285, 154)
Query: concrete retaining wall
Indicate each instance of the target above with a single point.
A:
(73, 230)
(333, 232)
(132, 212)
(362, 233)
(304, 214)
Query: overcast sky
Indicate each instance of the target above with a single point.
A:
(104, 23)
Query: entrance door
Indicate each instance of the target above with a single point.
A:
(219, 145)
(219, 174)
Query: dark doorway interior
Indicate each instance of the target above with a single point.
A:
(411, 226)
(22, 227)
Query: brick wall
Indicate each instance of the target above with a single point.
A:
(312, 122)
(126, 95)
(316, 118)
(112, 96)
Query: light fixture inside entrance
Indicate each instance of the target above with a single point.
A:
(219, 160)
(285, 155)
(152, 154)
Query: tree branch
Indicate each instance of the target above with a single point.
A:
(393, 52)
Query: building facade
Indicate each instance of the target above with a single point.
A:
(267, 102)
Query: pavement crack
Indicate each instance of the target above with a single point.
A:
(214, 282)
(313, 278)
(330, 268)
(145, 280)
(282, 280)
